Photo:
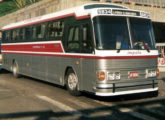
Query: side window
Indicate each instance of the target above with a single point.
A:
(51, 30)
(11, 35)
(22, 34)
(40, 31)
(55, 29)
(7, 36)
(3, 37)
(27, 33)
(43, 29)
(60, 29)
(34, 29)
(87, 43)
(73, 40)
(15, 35)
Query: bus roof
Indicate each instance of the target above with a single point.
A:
(80, 12)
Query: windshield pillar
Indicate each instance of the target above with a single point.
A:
(129, 32)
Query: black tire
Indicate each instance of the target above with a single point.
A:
(155, 94)
(72, 83)
(15, 70)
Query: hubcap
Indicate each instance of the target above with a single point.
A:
(72, 81)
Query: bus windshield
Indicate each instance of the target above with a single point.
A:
(142, 34)
(112, 33)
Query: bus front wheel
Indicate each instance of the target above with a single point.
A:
(72, 83)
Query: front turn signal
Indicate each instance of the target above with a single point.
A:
(101, 76)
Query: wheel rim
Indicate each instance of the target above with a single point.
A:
(72, 81)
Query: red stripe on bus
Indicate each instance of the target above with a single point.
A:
(83, 56)
(49, 19)
(49, 47)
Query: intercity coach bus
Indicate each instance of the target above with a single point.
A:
(104, 49)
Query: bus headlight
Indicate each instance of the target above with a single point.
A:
(114, 76)
(151, 73)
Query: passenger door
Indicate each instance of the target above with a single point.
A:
(79, 43)
(72, 45)
(87, 64)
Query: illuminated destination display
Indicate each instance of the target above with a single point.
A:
(121, 12)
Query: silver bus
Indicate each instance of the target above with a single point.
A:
(104, 49)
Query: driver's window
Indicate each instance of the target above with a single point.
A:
(86, 39)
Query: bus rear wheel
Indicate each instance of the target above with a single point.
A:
(72, 83)
(15, 70)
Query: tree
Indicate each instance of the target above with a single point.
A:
(33, 1)
(20, 3)
(23, 3)
(6, 7)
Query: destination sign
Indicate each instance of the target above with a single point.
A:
(124, 12)
(104, 11)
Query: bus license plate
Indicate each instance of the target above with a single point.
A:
(133, 74)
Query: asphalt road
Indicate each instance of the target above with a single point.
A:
(30, 99)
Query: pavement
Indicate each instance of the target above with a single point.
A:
(30, 99)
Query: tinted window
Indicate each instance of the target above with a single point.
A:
(87, 44)
(73, 41)
(34, 33)
(40, 31)
(111, 33)
(15, 35)
(142, 34)
(55, 29)
(27, 33)
(22, 34)
(7, 36)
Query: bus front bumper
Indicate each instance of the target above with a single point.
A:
(126, 92)
(117, 89)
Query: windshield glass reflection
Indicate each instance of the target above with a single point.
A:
(142, 34)
(112, 33)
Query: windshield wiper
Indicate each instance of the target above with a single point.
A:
(118, 50)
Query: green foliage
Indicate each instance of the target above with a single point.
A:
(7, 7)
(20, 3)
(33, 1)
(23, 3)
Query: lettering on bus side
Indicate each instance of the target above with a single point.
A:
(37, 46)
(134, 53)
